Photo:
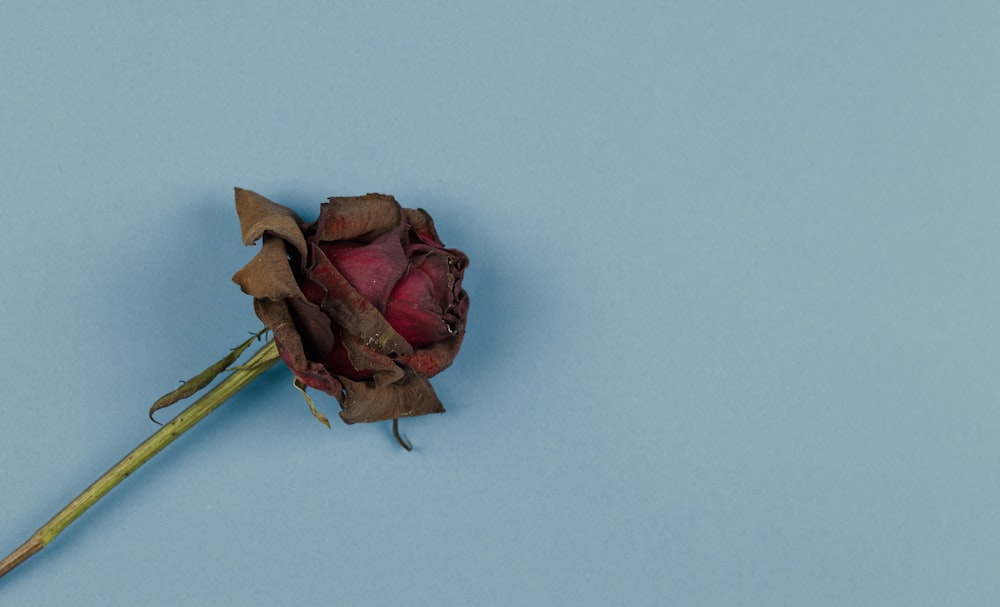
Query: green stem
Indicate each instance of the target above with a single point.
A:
(262, 360)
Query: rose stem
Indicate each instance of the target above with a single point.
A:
(262, 360)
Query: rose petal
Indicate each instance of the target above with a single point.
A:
(362, 218)
(348, 309)
(258, 215)
(422, 226)
(369, 402)
(414, 312)
(361, 356)
(277, 317)
(314, 328)
(437, 357)
(338, 361)
(269, 274)
(372, 269)
(445, 271)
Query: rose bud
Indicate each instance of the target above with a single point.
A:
(365, 303)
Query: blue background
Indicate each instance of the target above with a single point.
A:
(734, 328)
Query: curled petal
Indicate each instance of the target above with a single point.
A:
(258, 216)
(278, 318)
(361, 356)
(437, 357)
(314, 328)
(370, 402)
(269, 275)
(429, 361)
(362, 218)
(422, 226)
(445, 268)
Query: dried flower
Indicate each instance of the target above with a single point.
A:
(365, 303)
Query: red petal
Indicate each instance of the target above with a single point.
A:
(414, 312)
(339, 363)
(346, 308)
(372, 269)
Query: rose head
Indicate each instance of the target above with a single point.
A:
(365, 303)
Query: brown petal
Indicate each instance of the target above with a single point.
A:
(314, 328)
(363, 218)
(423, 226)
(351, 311)
(369, 402)
(276, 315)
(361, 356)
(269, 275)
(259, 215)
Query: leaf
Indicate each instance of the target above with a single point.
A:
(309, 401)
(204, 378)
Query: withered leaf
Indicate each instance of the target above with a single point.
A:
(204, 378)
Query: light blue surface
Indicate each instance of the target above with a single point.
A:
(734, 335)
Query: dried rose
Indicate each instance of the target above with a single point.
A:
(365, 303)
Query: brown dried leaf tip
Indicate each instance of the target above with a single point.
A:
(365, 303)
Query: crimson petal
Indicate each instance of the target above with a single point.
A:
(414, 312)
(372, 269)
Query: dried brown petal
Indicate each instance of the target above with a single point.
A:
(423, 226)
(360, 218)
(269, 275)
(259, 215)
(369, 402)
(362, 356)
(314, 328)
(276, 315)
